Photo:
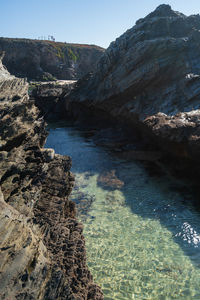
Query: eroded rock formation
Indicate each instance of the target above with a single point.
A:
(42, 248)
(178, 134)
(153, 67)
(47, 60)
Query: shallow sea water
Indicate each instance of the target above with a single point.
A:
(143, 239)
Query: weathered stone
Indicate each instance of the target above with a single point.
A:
(42, 248)
(178, 134)
(48, 154)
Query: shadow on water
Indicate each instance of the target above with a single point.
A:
(149, 193)
(159, 198)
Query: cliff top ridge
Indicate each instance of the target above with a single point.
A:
(162, 11)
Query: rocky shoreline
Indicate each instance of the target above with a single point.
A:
(42, 248)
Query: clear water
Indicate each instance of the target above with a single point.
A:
(143, 239)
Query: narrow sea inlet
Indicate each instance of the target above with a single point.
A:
(142, 234)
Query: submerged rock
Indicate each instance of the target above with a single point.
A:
(109, 180)
(42, 248)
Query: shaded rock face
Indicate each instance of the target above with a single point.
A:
(46, 60)
(49, 97)
(153, 67)
(42, 248)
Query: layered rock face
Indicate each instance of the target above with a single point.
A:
(47, 60)
(153, 67)
(11, 88)
(42, 248)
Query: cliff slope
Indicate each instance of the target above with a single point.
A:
(43, 60)
(42, 248)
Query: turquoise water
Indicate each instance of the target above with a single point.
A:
(142, 237)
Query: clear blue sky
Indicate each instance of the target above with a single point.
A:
(79, 21)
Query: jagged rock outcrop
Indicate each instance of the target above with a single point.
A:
(47, 60)
(42, 248)
(178, 134)
(153, 67)
(11, 88)
(49, 97)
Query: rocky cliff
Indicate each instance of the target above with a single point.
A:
(42, 248)
(47, 60)
(153, 67)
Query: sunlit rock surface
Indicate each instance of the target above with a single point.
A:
(179, 133)
(42, 249)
